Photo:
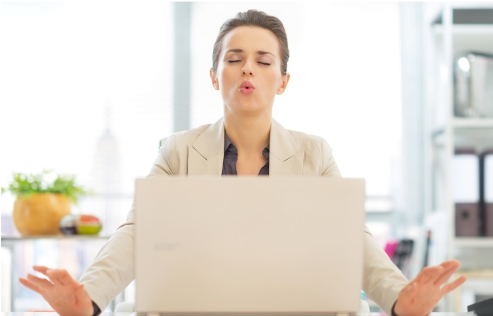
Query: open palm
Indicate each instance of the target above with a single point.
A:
(421, 295)
(64, 294)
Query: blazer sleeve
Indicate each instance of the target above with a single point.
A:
(113, 269)
(382, 280)
(329, 165)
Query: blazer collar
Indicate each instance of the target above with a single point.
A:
(211, 142)
(207, 152)
(282, 144)
(286, 157)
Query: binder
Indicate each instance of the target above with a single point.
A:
(487, 191)
(402, 255)
(466, 193)
(426, 260)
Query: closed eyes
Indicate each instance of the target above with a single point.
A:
(237, 61)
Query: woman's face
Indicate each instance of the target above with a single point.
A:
(249, 70)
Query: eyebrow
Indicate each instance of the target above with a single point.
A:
(237, 50)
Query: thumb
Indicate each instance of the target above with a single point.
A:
(81, 295)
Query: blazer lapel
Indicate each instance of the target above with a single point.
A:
(206, 154)
(286, 156)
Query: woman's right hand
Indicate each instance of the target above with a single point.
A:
(64, 294)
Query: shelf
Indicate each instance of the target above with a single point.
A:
(54, 237)
(465, 124)
(470, 37)
(470, 14)
(460, 6)
(472, 123)
(474, 242)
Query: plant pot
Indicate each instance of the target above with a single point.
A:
(40, 214)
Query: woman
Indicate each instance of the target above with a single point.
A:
(249, 68)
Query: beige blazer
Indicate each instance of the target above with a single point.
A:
(200, 151)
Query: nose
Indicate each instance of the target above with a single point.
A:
(247, 69)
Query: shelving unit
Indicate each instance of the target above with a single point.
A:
(475, 37)
(473, 242)
(450, 29)
(476, 123)
(78, 253)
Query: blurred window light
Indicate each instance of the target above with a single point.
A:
(464, 64)
(85, 89)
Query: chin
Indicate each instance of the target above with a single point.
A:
(249, 108)
(246, 106)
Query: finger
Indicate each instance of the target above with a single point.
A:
(30, 285)
(39, 282)
(60, 276)
(80, 291)
(452, 286)
(41, 269)
(428, 274)
(450, 263)
(446, 275)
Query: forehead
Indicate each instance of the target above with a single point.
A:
(251, 39)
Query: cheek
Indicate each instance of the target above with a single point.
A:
(227, 83)
(226, 78)
(276, 79)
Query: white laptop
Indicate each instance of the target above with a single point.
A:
(249, 245)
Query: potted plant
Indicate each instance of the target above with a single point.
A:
(42, 200)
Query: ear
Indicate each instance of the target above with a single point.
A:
(214, 81)
(284, 84)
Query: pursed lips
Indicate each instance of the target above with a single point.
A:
(247, 87)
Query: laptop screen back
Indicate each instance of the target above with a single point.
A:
(249, 245)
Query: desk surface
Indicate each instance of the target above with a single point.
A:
(135, 314)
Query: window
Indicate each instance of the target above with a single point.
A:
(85, 89)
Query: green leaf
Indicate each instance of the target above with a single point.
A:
(24, 185)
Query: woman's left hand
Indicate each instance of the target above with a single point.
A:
(421, 295)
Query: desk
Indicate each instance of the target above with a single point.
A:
(135, 314)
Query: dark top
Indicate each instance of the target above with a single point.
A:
(231, 157)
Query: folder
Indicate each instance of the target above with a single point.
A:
(487, 190)
(466, 193)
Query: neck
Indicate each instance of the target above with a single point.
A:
(249, 134)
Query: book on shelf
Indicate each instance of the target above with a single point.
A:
(466, 193)
(400, 252)
(487, 191)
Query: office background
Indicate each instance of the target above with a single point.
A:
(89, 88)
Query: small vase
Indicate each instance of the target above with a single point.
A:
(40, 214)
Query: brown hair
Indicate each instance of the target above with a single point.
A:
(259, 19)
